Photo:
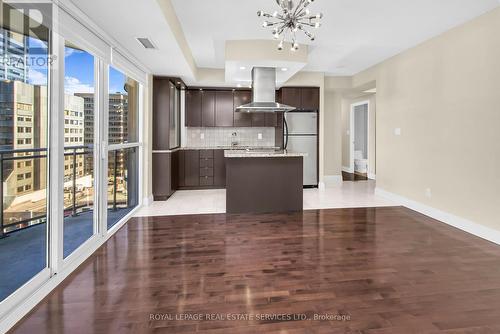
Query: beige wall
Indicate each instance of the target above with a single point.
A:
(445, 96)
(332, 134)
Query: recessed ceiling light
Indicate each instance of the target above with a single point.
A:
(243, 68)
(284, 69)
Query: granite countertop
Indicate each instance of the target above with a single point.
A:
(262, 154)
(238, 148)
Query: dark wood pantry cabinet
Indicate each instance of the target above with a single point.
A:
(166, 113)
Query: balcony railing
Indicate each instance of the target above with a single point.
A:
(41, 153)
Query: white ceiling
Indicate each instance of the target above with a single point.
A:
(355, 35)
(125, 20)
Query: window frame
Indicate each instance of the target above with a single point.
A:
(77, 28)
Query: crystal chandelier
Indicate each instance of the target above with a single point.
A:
(291, 19)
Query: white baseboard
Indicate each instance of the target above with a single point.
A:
(347, 169)
(372, 176)
(332, 179)
(445, 217)
(148, 200)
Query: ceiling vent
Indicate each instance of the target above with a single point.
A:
(146, 42)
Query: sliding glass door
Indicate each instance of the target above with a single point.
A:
(24, 134)
(79, 132)
(123, 141)
(69, 150)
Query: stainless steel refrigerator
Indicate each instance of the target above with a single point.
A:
(301, 135)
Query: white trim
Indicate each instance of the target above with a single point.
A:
(332, 179)
(148, 200)
(351, 134)
(23, 292)
(29, 303)
(56, 158)
(347, 169)
(372, 176)
(116, 147)
(463, 224)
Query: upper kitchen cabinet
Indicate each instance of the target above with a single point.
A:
(302, 98)
(310, 99)
(242, 119)
(224, 108)
(193, 108)
(207, 108)
(291, 96)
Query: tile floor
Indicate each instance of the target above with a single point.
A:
(343, 195)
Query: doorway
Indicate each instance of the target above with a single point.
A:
(359, 142)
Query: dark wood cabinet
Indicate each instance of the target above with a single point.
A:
(302, 98)
(219, 169)
(258, 119)
(193, 108)
(199, 169)
(272, 119)
(181, 169)
(161, 113)
(224, 108)
(163, 186)
(191, 168)
(291, 96)
(207, 108)
(242, 119)
(310, 99)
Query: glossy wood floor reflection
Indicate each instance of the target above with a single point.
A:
(381, 270)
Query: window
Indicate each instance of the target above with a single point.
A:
(23, 98)
(123, 105)
(79, 193)
(122, 129)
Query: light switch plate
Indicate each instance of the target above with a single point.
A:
(259, 136)
(202, 136)
(397, 131)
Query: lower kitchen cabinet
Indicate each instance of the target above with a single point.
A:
(163, 187)
(192, 168)
(219, 169)
(200, 169)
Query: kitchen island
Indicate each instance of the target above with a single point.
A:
(263, 181)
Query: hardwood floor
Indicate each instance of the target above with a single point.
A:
(368, 270)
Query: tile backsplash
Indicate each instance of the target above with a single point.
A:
(211, 137)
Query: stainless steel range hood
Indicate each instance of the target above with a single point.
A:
(264, 92)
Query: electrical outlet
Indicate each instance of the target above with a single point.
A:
(259, 136)
(428, 192)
